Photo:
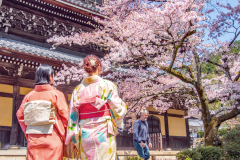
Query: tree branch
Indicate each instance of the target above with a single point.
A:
(226, 69)
(222, 111)
(216, 64)
(131, 108)
(198, 67)
(189, 70)
(178, 75)
(218, 99)
(235, 37)
(237, 77)
(229, 115)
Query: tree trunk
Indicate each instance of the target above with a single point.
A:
(210, 122)
(211, 133)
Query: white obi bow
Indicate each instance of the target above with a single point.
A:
(39, 116)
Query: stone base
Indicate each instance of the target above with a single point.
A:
(20, 154)
(13, 154)
(154, 155)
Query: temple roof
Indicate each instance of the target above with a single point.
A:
(38, 51)
(82, 3)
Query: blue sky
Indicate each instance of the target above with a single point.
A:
(213, 15)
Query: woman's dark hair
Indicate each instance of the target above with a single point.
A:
(91, 63)
(43, 73)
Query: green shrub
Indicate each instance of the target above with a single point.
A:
(222, 131)
(232, 143)
(200, 134)
(189, 154)
(132, 158)
(210, 152)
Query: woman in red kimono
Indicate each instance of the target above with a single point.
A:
(45, 135)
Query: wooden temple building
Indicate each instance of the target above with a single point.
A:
(25, 25)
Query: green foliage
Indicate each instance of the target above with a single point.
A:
(232, 143)
(200, 134)
(132, 158)
(189, 154)
(210, 152)
(211, 69)
(236, 47)
(222, 131)
(201, 153)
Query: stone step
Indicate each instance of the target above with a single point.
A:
(20, 154)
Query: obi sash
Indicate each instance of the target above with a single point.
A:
(39, 116)
(87, 110)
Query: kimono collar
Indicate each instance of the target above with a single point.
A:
(44, 87)
(91, 79)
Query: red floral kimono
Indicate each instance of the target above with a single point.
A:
(46, 146)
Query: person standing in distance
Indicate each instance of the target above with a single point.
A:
(141, 139)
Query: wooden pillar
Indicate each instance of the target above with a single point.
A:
(187, 131)
(166, 129)
(15, 125)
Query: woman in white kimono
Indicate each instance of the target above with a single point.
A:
(95, 112)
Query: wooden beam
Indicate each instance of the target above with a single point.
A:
(15, 125)
(175, 115)
(14, 80)
(30, 57)
(169, 114)
(7, 80)
(2, 94)
(5, 128)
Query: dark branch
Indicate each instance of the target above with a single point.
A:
(237, 77)
(229, 115)
(216, 64)
(178, 75)
(234, 38)
(176, 48)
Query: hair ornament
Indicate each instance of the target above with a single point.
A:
(93, 61)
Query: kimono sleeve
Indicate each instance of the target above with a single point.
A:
(62, 108)
(20, 114)
(72, 129)
(117, 106)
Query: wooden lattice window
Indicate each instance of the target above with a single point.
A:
(153, 124)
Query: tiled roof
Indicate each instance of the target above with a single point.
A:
(39, 51)
(89, 5)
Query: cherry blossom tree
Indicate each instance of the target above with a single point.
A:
(156, 54)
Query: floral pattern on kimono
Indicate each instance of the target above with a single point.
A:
(98, 137)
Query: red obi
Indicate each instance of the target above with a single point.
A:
(89, 111)
(86, 110)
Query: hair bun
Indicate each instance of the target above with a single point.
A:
(91, 63)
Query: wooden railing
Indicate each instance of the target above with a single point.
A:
(156, 139)
(159, 142)
(126, 141)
